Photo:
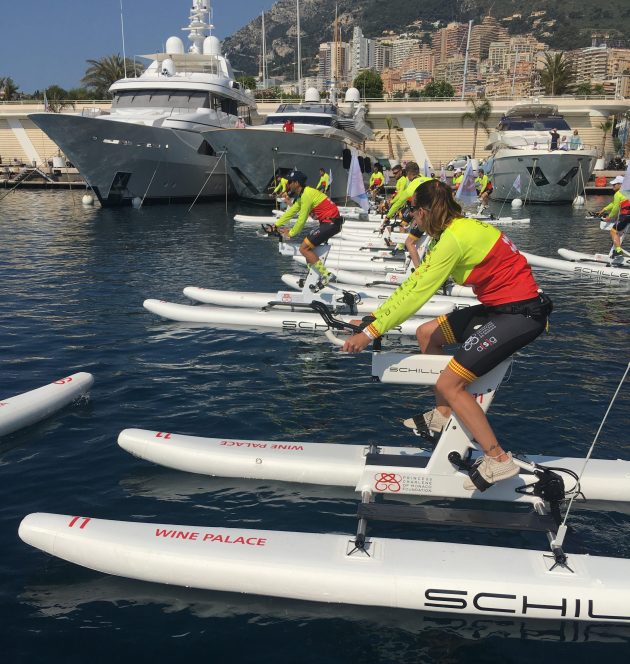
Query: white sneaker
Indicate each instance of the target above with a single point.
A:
(492, 471)
(432, 421)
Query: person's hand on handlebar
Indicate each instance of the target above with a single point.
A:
(356, 343)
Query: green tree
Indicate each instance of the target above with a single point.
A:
(248, 82)
(479, 115)
(556, 75)
(583, 89)
(370, 84)
(606, 127)
(101, 74)
(438, 89)
(8, 88)
(57, 98)
(81, 94)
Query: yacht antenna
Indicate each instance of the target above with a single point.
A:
(122, 30)
(514, 72)
(299, 51)
(466, 59)
(264, 52)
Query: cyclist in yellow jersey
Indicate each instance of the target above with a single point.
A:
(414, 180)
(324, 181)
(512, 313)
(309, 201)
(458, 176)
(617, 212)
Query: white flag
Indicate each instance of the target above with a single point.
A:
(467, 191)
(442, 175)
(517, 183)
(626, 179)
(330, 178)
(356, 186)
(427, 169)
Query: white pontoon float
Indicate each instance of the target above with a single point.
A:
(361, 568)
(30, 407)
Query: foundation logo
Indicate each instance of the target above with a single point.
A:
(387, 482)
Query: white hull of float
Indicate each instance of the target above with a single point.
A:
(290, 321)
(25, 409)
(580, 269)
(460, 302)
(590, 258)
(427, 576)
(252, 300)
(343, 465)
(379, 265)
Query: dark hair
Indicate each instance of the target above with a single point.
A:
(412, 167)
(437, 198)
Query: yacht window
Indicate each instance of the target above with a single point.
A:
(302, 119)
(183, 99)
(533, 124)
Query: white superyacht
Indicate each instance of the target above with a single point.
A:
(151, 146)
(521, 145)
(323, 136)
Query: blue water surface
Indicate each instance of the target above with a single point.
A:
(72, 282)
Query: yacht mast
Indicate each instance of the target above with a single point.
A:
(264, 53)
(299, 51)
(466, 59)
(199, 23)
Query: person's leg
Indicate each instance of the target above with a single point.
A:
(431, 341)
(452, 388)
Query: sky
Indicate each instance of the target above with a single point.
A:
(47, 42)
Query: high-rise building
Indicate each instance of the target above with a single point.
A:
(334, 62)
(449, 41)
(401, 48)
(362, 53)
(382, 56)
(481, 36)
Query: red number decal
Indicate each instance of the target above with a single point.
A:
(161, 434)
(63, 381)
(84, 522)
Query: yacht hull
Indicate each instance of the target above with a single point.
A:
(121, 161)
(546, 176)
(254, 155)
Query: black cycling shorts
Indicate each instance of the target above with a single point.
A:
(486, 337)
(324, 232)
(622, 223)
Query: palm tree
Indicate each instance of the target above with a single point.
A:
(102, 73)
(479, 116)
(556, 75)
(605, 127)
(391, 125)
(8, 88)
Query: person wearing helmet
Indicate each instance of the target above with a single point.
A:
(377, 180)
(458, 176)
(484, 189)
(309, 201)
(617, 213)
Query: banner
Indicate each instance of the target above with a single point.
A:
(356, 186)
(427, 169)
(517, 183)
(467, 192)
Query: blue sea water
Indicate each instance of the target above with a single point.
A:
(72, 282)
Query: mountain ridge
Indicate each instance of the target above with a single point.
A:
(573, 24)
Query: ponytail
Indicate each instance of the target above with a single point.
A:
(437, 198)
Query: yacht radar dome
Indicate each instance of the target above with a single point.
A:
(174, 46)
(353, 96)
(211, 46)
(312, 95)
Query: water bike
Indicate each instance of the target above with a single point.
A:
(362, 568)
